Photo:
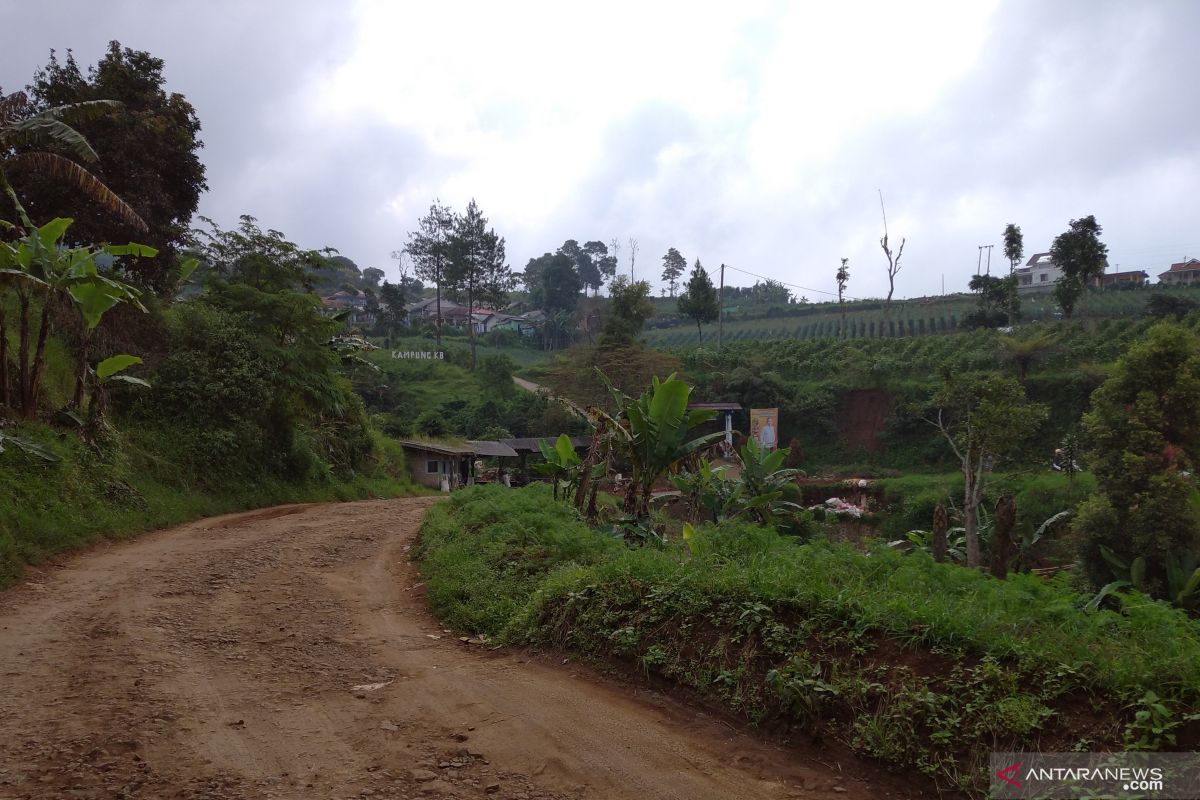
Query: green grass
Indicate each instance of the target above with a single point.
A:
(458, 349)
(916, 663)
(129, 485)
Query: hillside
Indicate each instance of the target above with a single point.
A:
(867, 319)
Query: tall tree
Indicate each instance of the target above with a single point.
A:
(148, 154)
(893, 267)
(1081, 256)
(552, 283)
(633, 251)
(477, 269)
(605, 262)
(1014, 246)
(391, 302)
(585, 263)
(1014, 251)
(674, 265)
(371, 276)
(843, 278)
(428, 247)
(699, 299)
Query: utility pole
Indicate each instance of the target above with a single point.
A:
(989, 261)
(979, 261)
(721, 312)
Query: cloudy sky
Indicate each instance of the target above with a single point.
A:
(755, 133)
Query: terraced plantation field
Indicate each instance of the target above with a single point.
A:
(921, 317)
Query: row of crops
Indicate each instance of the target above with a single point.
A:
(1072, 344)
(909, 319)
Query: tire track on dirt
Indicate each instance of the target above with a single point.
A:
(288, 653)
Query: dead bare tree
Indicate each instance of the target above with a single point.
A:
(893, 262)
(633, 250)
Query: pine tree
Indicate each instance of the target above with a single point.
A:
(699, 299)
(428, 246)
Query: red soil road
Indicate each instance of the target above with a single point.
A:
(219, 659)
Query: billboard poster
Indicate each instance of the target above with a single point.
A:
(764, 427)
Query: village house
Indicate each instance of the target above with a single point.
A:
(1122, 280)
(1038, 275)
(354, 301)
(427, 309)
(1183, 273)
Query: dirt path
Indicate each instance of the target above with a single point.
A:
(288, 653)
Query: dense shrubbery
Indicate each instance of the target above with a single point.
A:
(901, 658)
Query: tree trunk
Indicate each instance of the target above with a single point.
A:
(585, 473)
(631, 498)
(81, 371)
(971, 498)
(23, 348)
(1002, 538)
(39, 363)
(4, 396)
(471, 321)
(940, 524)
(438, 293)
(699, 332)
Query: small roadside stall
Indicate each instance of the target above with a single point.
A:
(439, 465)
(725, 410)
(499, 451)
(525, 447)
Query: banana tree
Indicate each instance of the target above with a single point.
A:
(759, 492)
(1182, 579)
(561, 465)
(25, 135)
(37, 265)
(654, 433)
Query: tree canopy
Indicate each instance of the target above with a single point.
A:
(1142, 434)
(674, 265)
(1081, 256)
(148, 154)
(628, 311)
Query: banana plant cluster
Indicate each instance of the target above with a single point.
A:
(1182, 575)
(40, 269)
(759, 492)
(562, 466)
(653, 434)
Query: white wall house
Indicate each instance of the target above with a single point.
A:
(1038, 275)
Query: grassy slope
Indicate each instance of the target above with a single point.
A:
(126, 487)
(902, 659)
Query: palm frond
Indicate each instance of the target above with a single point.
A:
(41, 131)
(56, 166)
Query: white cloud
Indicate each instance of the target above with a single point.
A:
(757, 134)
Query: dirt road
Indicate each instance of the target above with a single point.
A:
(288, 653)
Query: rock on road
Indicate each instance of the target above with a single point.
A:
(288, 653)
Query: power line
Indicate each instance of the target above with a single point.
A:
(792, 285)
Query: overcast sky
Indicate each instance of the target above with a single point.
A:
(755, 133)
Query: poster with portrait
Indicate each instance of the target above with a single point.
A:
(764, 427)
